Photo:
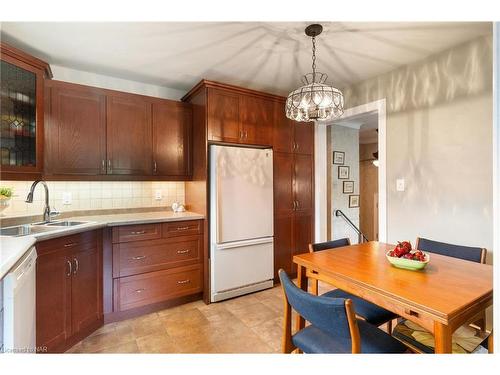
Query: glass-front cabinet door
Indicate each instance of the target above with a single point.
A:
(21, 114)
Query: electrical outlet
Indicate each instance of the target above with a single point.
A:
(400, 184)
(66, 198)
(158, 195)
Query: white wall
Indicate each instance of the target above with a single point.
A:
(439, 131)
(346, 140)
(62, 73)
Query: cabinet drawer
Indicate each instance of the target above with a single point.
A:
(182, 228)
(146, 256)
(82, 241)
(159, 286)
(129, 233)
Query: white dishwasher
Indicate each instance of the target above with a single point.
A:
(19, 300)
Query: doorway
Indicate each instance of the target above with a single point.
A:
(333, 193)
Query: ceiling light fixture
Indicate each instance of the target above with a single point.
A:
(315, 100)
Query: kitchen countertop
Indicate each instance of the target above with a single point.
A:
(13, 248)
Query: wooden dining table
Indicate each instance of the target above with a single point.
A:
(447, 294)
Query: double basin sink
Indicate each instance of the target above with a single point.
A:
(27, 229)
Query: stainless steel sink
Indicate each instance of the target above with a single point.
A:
(65, 223)
(24, 230)
(27, 229)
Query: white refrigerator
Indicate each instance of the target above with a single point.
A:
(241, 221)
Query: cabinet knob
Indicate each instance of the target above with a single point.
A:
(183, 281)
(183, 251)
(139, 290)
(182, 228)
(70, 244)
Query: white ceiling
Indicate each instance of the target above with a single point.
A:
(269, 56)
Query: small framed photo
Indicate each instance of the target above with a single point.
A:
(343, 172)
(348, 187)
(353, 201)
(338, 157)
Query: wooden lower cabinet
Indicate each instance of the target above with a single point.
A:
(68, 290)
(153, 287)
(153, 264)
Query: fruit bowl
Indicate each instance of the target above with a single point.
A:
(408, 264)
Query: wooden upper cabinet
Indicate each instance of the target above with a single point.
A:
(172, 131)
(21, 113)
(75, 142)
(223, 116)
(292, 136)
(303, 138)
(283, 130)
(256, 120)
(129, 135)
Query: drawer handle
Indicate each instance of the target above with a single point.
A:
(140, 290)
(183, 251)
(411, 313)
(187, 281)
(71, 244)
(139, 257)
(138, 232)
(182, 228)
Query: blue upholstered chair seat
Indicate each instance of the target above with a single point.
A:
(372, 313)
(373, 340)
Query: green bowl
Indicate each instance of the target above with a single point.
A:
(408, 264)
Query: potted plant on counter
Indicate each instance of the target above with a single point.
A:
(5, 196)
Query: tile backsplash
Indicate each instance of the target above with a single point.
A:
(93, 195)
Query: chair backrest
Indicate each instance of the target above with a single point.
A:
(474, 254)
(327, 314)
(329, 244)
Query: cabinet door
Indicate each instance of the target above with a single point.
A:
(76, 131)
(303, 182)
(129, 135)
(172, 123)
(21, 120)
(53, 300)
(304, 137)
(283, 243)
(256, 120)
(302, 233)
(85, 288)
(283, 170)
(283, 130)
(223, 116)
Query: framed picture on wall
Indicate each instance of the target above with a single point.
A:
(348, 187)
(338, 157)
(353, 201)
(343, 172)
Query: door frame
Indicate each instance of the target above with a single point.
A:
(321, 168)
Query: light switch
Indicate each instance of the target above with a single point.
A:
(158, 195)
(67, 198)
(400, 184)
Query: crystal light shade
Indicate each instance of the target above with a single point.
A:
(315, 100)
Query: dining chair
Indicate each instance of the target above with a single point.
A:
(473, 254)
(406, 332)
(333, 327)
(368, 311)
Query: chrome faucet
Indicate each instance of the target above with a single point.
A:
(47, 212)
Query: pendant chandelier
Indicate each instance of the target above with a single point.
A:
(315, 100)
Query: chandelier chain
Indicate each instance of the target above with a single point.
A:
(314, 58)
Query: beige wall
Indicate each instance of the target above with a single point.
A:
(439, 132)
(93, 195)
(368, 187)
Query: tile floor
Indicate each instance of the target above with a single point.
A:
(247, 324)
